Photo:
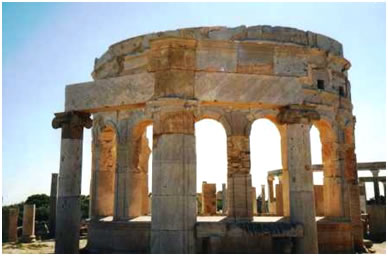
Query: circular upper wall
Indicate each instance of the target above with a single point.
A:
(108, 65)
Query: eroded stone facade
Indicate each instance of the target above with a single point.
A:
(172, 79)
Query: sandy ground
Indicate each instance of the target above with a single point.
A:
(379, 248)
(47, 247)
(38, 247)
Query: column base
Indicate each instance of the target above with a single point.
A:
(28, 239)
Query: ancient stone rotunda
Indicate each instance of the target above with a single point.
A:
(173, 79)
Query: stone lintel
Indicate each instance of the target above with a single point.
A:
(293, 114)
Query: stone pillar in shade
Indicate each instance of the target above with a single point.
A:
(376, 188)
(385, 191)
(53, 203)
(279, 199)
(28, 223)
(224, 199)
(68, 214)
(362, 197)
(10, 224)
(209, 199)
(296, 136)
(174, 176)
(270, 179)
(263, 204)
(254, 201)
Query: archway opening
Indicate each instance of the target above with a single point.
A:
(265, 147)
(211, 154)
(316, 159)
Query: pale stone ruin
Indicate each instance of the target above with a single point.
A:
(236, 75)
(209, 201)
(28, 223)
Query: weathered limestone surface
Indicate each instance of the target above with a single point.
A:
(10, 225)
(209, 202)
(173, 179)
(236, 75)
(254, 201)
(53, 203)
(319, 199)
(28, 223)
(300, 177)
(68, 214)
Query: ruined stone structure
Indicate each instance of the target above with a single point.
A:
(10, 224)
(209, 199)
(235, 76)
(28, 223)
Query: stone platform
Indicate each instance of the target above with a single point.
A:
(216, 234)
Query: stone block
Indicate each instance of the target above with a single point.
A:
(255, 58)
(216, 56)
(289, 65)
(209, 202)
(174, 165)
(224, 87)
(178, 83)
(319, 200)
(10, 224)
(173, 241)
(111, 92)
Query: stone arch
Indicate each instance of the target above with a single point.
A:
(106, 169)
(205, 200)
(332, 168)
(216, 115)
(270, 205)
(140, 168)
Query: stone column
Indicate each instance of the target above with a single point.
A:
(28, 223)
(254, 201)
(224, 199)
(362, 197)
(68, 214)
(376, 188)
(10, 224)
(333, 170)
(385, 191)
(271, 198)
(173, 177)
(53, 203)
(296, 120)
(279, 197)
(263, 204)
(209, 199)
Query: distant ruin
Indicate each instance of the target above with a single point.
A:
(173, 79)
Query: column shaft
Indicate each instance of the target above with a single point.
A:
(68, 214)
(239, 178)
(301, 191)
(28, 223)
(53, 203)
(173, 179)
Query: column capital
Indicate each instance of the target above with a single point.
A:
(72, 123)
(294, 114)
(375, 173)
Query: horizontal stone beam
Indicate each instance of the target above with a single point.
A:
(371, 179)
(132, 91)
(319, 167)
(109, 94)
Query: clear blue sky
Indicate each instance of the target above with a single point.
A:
(49, 45)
